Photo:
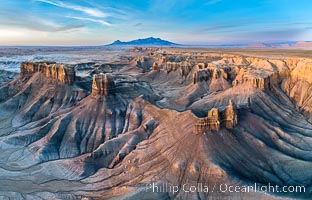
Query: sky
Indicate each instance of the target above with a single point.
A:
(199, 22)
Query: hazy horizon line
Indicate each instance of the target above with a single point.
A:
(181, 44)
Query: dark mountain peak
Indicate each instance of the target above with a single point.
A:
(150, 41)
(117, 42)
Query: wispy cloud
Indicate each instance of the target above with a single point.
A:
(137, 24)
(27, 21)
(87, 10)
(218, 28)
(67, 28)
(100, 21)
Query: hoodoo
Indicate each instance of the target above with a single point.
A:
(230, 116)
(213, 120)
(103, 84)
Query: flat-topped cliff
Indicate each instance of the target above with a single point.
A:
(61, 72)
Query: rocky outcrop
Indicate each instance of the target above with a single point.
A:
(291, 62)
(303, 71)
(103, 84)
(294, 79)
(199, 66)
(212, 73)
(156, 66)
(233, 60)
(263, 80)
(201, 75)
(243, 77)
(216, 118)
(203, 57)
(211, 122)
(61, 72)
(213, 119)
(184, 67)
(143, 49)
(230, 116)
(297, 84)
(143, 62)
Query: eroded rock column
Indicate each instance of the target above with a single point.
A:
(103, 84)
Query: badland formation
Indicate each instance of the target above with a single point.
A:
(161, 115)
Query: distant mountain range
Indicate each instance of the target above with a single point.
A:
(151, 41)
(301, 44)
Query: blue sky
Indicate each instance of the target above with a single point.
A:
(96, 22)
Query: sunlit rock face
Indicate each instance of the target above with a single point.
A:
(217, 119)
(155, 66)
(211, 73)
(61, 72)
(183, 67)
(103, 84)
(230, 116)
(245, 78)
(297, 84)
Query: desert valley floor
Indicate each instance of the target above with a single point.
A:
(168, 116)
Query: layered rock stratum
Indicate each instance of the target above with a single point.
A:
(174, 117)
(61, 72)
